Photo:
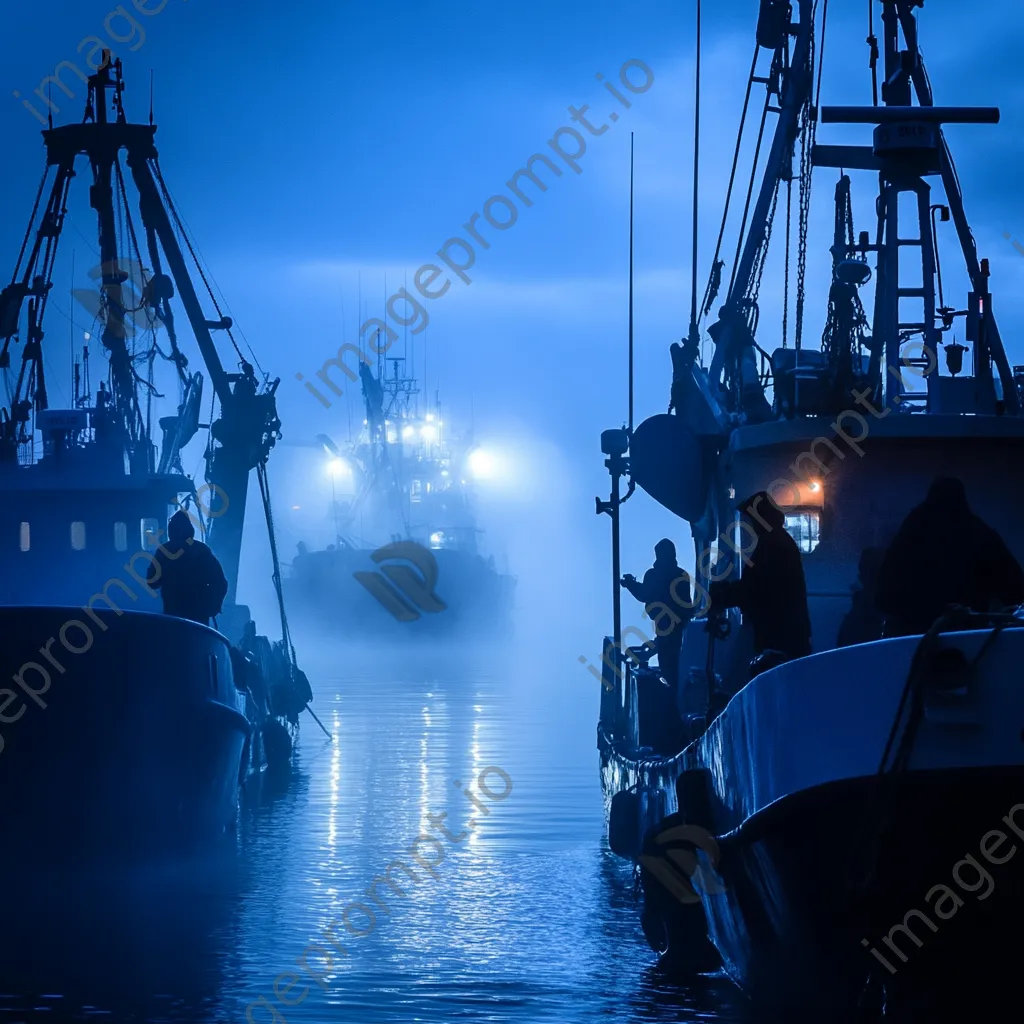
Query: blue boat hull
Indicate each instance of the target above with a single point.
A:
(117, 731)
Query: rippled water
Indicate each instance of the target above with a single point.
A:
(529, 918)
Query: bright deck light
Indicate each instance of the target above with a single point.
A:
(429, 434)
(481, 463)
(338, 467)
(408, 431)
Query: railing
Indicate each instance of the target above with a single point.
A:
(618, 717)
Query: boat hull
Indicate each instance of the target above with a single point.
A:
(840, 879)
(119, 731)
(834, 897)
(349, 593)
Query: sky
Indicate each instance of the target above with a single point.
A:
(321, 152)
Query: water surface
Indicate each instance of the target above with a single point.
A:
(527, 917)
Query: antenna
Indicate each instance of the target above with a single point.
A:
(72, 319)
(151, 96)
(630, 284)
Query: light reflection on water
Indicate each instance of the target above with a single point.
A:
(529, 919)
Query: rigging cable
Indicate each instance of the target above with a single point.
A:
(732, 180)
(630, 284)
(750, 189)
(261, 476)
(195, 259)
(31, 222)
(696, 191)
(872, 42)
(785, 278)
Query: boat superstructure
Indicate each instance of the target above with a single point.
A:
(832, 792)
(88, 489)
(403, 492)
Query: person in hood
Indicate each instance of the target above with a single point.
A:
(665, 592)
(187, 573)
(772, 592)
(942, 555)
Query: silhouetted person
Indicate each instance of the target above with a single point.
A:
(863, 622)
(665, 592)
(187, 573)
(772, 592)
(943, 555)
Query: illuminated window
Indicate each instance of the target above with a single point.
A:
(78, 536)
(25, 537)
(149, 530)
(804, 528)
(120, 536)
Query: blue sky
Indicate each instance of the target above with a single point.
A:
(311, 145)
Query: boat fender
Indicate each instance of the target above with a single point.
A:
(633, 813)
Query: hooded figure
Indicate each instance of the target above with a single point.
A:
(187, 573)
(665, 592)
(772, 592)
(943, 555)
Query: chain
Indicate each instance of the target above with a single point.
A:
(808, 125)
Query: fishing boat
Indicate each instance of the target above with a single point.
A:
(123, 728)
(406, 560)
(831, 831)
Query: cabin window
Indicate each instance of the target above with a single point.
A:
(78, 536)
(25, 537)
(149, 530)
(416, 491)
(120, 536)
(803, 527)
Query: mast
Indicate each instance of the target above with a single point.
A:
(908, 147)
(247, 428)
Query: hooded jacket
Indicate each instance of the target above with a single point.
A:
(772, 592)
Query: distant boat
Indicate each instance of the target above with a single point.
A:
(123, 728)
(406, 560)
(806, 829)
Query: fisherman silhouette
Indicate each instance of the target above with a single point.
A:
(772, 592)
(665, 591)
(863, 622)
(942, 555)
(187, 573)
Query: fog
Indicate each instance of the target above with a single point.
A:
(320, 155)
